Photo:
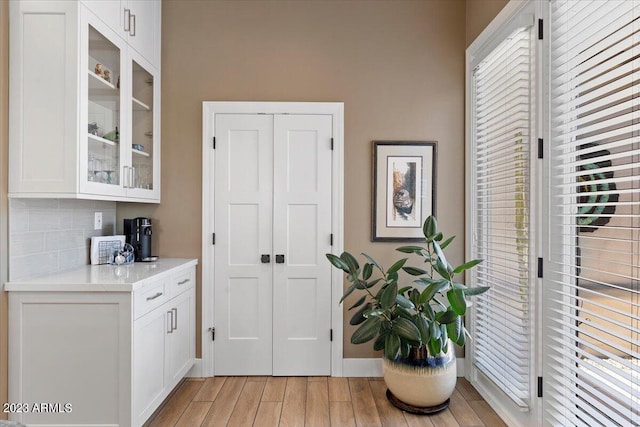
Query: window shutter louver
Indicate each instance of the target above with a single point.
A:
(501, 191)
(592, 293)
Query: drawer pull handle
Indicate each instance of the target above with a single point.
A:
(183, 282)
(159, 294)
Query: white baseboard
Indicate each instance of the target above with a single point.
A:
(350, 368)
(196, 370)
(373, 367)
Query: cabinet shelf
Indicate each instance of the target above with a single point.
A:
(100, 87)
(139, 105)
(141, 153)
(100, 140)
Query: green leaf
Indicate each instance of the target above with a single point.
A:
(444, 338)
(429, 312)
(423, 326)
(434, 331)
(392, 277)
(359, 302)
(426, 281)
(441, 269)
(351, 261)
(404, 302)
(401, 291)
(358, 317)
(371, 260)
(466, 266)
(379, 343)
(457, 301)
(374, 313)
(447, 242)
(438, 237)
(388, 295)
(434, 346)
(401, 312)
(414, 271)
(348, 292)
(360, 284)
(396, 266)
(338, 262)
(367, 331)
(446, 317)
(430, 227)
(454, 329)
(366, 271)
(430, 291)
(457, 285)
(476, 291)
(405, 349)
(440, 254)
(406, 329)
(410, 249)
(391, 346)
(372, 283)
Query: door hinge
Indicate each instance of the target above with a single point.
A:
(539, 386)
(214, 142)
(540, 275)
(331, 144)
(213, 333)
(540, 148)
(213, 238)
(331, 239)
(540, 29)
(330, 334)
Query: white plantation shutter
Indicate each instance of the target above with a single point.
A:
(592, 274)
(502, 86)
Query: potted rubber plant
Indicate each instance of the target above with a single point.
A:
(414, 324)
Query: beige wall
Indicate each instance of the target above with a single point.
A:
(397, 65)
(479, 14)
(4, 135)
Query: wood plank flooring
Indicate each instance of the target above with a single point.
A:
(310, 402)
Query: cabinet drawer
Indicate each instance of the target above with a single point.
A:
(149, 297)
(181, 281)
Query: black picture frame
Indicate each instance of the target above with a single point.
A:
(404, 189)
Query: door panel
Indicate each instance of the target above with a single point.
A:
(243, 224)
(301, 232)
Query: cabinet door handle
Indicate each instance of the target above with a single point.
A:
(265, 258)
(124, 176)
(183, 282)
(132, 32)
(170, 322)
(174, 319)
(280, 259)
(131, 184)
(159, 294)
(127, 20)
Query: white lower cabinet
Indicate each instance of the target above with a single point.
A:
(164, 351)
(105, 356)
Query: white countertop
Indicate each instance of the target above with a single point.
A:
(101, 278)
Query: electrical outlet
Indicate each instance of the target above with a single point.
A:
(97, 221)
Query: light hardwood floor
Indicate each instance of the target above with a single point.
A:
(312, 401)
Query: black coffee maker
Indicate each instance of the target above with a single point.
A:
(138, 232)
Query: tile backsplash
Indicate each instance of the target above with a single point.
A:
(51, 235)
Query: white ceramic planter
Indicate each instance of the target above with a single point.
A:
(422, 386)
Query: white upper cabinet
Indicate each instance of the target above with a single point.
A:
(86, 125)
(136, 21)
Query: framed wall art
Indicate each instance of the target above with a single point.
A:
(404, 189)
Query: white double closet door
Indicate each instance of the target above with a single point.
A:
(272, 224)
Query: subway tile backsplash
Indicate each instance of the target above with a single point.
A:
(52, 235)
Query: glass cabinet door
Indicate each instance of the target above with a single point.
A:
(104, 115)
(142, 128)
